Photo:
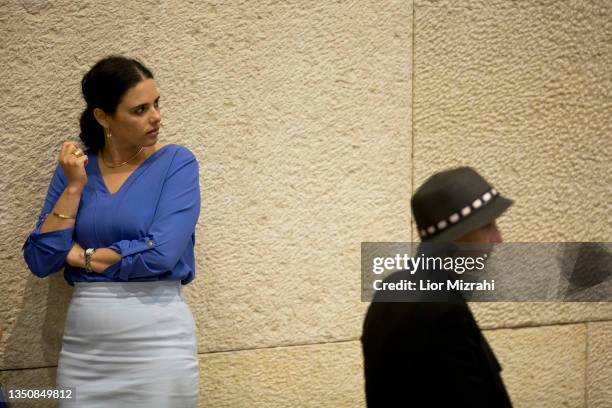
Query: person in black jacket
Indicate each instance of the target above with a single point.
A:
(431, 352)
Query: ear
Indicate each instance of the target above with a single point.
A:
(101, 117)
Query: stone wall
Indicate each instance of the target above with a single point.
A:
(313, 123)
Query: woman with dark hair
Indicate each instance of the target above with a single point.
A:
(120, 219)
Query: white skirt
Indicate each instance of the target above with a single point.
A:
(129, 344)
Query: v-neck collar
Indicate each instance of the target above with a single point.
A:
(141, 166)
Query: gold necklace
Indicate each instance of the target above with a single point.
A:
(112, 166)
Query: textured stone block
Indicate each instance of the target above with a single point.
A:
(39, 378)
(321, 375)
(504, 314)
(33, 315)
(307, 111)
(599, 365)
(542, 367)
(519, 91)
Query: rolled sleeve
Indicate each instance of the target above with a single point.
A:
(172, 230)
(127, 248)
(45, 253)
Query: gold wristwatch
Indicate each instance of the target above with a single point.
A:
(88, 254)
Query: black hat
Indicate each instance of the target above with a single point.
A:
(453, 202)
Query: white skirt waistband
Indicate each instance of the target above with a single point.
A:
(145, 292)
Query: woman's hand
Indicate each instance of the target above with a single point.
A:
(102, 259)
(73, 161)
(76, 256)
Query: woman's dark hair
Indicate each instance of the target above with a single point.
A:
(103, 87)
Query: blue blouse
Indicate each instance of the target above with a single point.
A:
(150, 221)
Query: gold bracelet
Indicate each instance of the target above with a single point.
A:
(63, 217)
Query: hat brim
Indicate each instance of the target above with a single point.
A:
(478, 219)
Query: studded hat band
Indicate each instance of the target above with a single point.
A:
(459, 215)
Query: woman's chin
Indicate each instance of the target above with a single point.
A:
(150, 141)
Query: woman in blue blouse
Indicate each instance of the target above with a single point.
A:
(120, 219)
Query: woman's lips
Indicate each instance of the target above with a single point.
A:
(153, 133)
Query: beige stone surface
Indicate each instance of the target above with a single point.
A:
(544, 366)
(307, 154)
(599, 365)
(323, 375)
(39, 378)
(529, 314)
(33, 317)
(313, 122)
(520, 90)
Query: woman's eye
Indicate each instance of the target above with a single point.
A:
(140, 111)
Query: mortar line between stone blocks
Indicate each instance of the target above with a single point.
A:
(413, 33)
(586, 365)
(281, 346)
(528, 326)
(2, 370)
(353, 340)
(350, 340)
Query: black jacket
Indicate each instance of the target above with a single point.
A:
(432, 354)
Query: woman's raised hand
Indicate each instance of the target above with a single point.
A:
(73, 161)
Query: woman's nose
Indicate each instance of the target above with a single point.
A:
(155, 115)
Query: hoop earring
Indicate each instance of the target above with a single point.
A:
(108, 134)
